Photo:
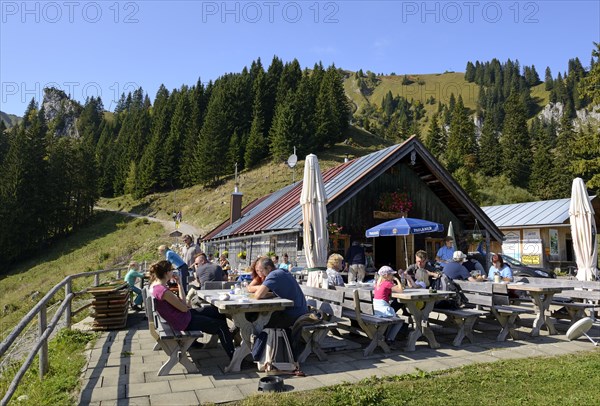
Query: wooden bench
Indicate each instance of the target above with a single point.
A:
(173, 342)
(493, 297)
(329, 302)
(464, 319)
(358, 306)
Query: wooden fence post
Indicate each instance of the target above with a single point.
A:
(97, 279)
(43, 324)
(68, 290)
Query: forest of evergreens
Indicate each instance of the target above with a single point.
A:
(196, 134)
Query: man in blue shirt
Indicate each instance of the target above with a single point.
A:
(177, 263)
(355, 261)
(281, 283)
(444, 254)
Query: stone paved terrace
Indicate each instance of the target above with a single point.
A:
(122, 366)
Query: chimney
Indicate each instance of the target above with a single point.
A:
(236, 205)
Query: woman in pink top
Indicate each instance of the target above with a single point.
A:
(177, 313)
(381, 299)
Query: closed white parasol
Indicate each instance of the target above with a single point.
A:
(313, 200)
(583, 231)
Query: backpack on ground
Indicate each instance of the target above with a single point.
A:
(443, 282)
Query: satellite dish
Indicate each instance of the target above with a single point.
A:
(580, 328)
(292, 160)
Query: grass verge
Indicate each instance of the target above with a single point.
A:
(61, 383)
(564, 380)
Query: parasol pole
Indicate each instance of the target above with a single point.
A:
(405, 253)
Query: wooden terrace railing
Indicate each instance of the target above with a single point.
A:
(45, 329)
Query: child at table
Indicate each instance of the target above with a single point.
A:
(131, 277)
(381, 299)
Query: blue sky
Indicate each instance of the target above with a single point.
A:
(91, 48)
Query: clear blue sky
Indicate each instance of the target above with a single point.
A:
(107, 47)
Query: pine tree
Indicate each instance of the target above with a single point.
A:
(256, 146)
(283, 133)
(211, 147)
(516, 150)
(563, 158)
(173, 147)
(590, 85)
(490, 153)
(586, 162)
(434, 141)
(543, 165)
(548, 81)
(198, 101)
(461, 148)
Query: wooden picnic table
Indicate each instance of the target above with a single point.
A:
(236, 308)
(411, 298)
(541, 295)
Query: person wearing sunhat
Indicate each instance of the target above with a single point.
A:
(456, 270)
(381, 299)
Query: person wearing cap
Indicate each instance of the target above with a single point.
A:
(455, 269)
(444, 254)
(500, 268)
(381, 299)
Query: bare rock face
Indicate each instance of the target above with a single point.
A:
(555, 111)
(61, 113)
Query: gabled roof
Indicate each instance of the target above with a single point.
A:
(281, 209)
(542, 213)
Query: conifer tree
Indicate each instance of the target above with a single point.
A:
(461, 148)
(212, 146)
(256, 148)
(283, 135)
(548, 81)
(198, 101)
(434, 140)
(590, 85)
(516, 149)
(543, 166)
(586, 163)
(490, 153)
(563, 158)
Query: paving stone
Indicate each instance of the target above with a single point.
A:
(148, 388)
(219, 395)
(101, 394)
(231, 379)
(137, 401)
(179, 399)
(198, 382)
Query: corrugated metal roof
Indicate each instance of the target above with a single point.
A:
(281, 210)
(547, 212)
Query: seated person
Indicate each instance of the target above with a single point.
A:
(334, 267)
(444, 254)
(280, 283)
(472, 264)
(500, 268)
(257, 278)
(177, 313)
(381, 299)
(207, 271)
(285, 263)
(224, 263)
(131, 278)
(421, 271)
(455, 270)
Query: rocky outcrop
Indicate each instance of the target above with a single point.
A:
(61, 113)
(584, 116)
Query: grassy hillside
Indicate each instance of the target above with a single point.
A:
(109, 240)
(206, 208)
(439, 85)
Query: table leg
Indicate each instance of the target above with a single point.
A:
(421, 322)
(541, 305)
(247, 329)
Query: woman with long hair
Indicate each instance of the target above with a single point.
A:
(177, 312)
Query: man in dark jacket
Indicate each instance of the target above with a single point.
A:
(355, 261)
